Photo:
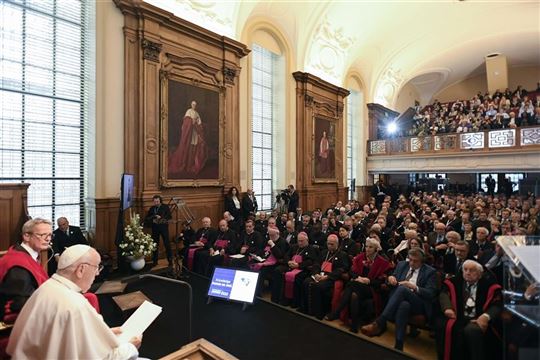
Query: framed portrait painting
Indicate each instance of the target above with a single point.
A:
(191, 132)
(324, 164)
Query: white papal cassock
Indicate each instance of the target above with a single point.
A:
(58, 322)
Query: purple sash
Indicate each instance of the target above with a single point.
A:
(221, 243)
(290, 276)
(271, 260)
(191, 253)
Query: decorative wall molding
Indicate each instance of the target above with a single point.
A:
(328, 52)
(387, 87)
(151, 50)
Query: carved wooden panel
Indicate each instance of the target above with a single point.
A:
(157, 43)
(318, 99)
(13, 207)
(378, 115)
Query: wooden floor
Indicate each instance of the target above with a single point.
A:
(421, 347)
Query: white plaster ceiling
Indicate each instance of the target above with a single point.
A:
(431, 43)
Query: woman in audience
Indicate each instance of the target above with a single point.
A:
(367, 274)
(232, 204)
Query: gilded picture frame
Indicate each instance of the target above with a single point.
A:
(191, 134)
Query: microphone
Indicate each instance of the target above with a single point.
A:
(49, 246)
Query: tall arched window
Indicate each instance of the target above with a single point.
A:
(266, 108)
(43, 102)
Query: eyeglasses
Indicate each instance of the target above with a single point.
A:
(99, 267)
(42, 236)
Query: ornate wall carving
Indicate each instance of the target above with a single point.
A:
(328, 51)
(319, 99)
(387, 86)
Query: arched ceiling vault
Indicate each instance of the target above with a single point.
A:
(430, 43)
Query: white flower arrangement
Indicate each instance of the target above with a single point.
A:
(136, 242)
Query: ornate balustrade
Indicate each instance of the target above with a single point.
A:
(520, 138)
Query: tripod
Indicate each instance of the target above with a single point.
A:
(180, 209)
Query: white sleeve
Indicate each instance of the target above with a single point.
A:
(125, 351)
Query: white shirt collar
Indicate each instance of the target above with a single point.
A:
(33, 253)
(66, 282)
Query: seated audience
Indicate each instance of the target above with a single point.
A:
(471, 305)
(274, 253)
(367, 274)
(251, 243)
(317, 288)
(225, 244)
(204, 237)
(413, 294)
(291, 273)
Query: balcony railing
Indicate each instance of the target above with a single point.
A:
(520, 138)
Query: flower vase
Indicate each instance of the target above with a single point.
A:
(137, 264)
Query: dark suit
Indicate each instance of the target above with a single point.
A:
(454, 225)
(403, 302)
(232, 209)
(249, 206)
(160, 227)
(294, 200)
(63, 240)
(318, 293)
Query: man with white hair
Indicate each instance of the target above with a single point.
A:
(58, 322)
(470, 303)
(20, 270)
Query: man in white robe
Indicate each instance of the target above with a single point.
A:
(58, 322)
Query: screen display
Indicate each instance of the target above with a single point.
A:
(127, 191)
(233, 284)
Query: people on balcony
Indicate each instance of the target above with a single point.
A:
(500, 110)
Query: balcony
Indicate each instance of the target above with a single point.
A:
(520, 139)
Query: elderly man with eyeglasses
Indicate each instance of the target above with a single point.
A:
(20, 269)
(58, 322)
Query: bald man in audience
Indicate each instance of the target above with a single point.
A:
(57, 322)
(274, 254)
(291, 273)
(225, 244)
(332, 264)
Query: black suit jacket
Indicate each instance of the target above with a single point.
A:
(231, 208)
(248, 207)
(164, 213)
(62, 240)
(294, 200)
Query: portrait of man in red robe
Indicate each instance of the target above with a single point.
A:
(324, 149)
(193, 133)
(190, 154)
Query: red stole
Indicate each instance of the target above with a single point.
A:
(451, 322)
(379, 267)
(24, 260)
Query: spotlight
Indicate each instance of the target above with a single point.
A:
(391, 128)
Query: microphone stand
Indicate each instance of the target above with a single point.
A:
(181, 210)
